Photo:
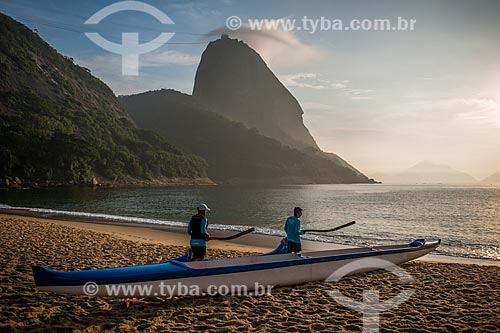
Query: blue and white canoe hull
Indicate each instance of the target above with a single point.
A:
(199, 277)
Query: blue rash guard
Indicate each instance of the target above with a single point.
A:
(292, 228)
(199, 242)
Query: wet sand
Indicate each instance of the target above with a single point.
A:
(448, 297)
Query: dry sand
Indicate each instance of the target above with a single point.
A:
(448, 298)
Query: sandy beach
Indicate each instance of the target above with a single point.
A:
(448, 297)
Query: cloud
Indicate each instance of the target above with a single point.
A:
(316, 106)
(477, 109)
(481, 110)
(277, 47)
(157, 59)
(311, 80)
(427, 78)
(317, 82)
(359, 94)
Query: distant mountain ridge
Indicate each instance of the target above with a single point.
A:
(234, 153)
(242, 120)
(492, 179)
(427, 172)
(60, 123)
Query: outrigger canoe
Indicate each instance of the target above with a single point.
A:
(276, 268)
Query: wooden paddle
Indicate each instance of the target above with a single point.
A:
(233, 236)
(328, 230)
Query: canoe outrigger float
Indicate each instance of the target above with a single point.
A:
(276, 268)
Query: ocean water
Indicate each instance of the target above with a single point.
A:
(466, 218)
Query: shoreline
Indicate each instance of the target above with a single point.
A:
(171, 235)
(151, 234)
(14, 183)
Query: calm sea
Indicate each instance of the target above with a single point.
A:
(466, 218)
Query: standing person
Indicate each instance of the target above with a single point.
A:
(197, 228)
(293, 232)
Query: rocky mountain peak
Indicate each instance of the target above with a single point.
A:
(234, 80)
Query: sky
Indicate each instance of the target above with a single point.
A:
(382, 100)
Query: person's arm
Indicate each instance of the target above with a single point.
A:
(189, 228)
(286, 230)
(297, 228)
(204, 225)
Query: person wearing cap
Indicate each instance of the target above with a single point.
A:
(197, 228)
(293, 232)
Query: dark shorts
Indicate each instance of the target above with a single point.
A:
(199, 252)
(293, 247)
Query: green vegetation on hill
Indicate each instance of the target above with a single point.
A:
(233, 152)
(58, 122)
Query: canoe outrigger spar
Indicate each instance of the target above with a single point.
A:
(276, 268)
